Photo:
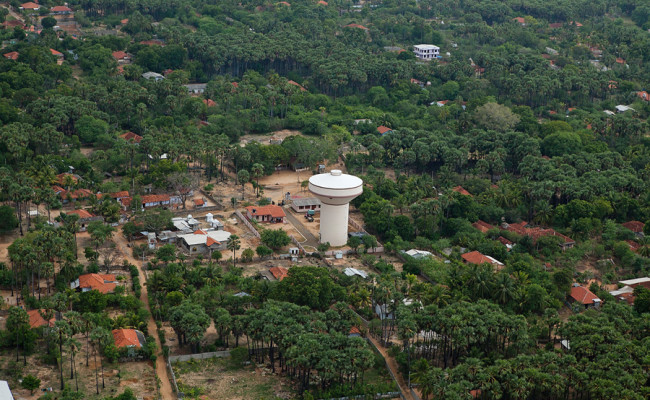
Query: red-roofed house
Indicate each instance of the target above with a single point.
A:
(356, 26)
(130, 339)
(354, 332)
(474, 257)
(461, 190)
(634, 226)
(576, 23)
(115, 195)
(121, 56)
(322, 3)
(522, 228)
(279, 273)
(30, 6)
(202, 242)
(555, 25)
(13, 24)
(383, 130)
(209, 103)
(284, 3)
(101, 282)
(583, 296)
(85, 218)
(12, 55)
(36, 320)
(60, 10)
(131, 137)
(269, 213)
(198, 203)
(643, 95)
(294, 83)
(520, 20)
(619, 60)
(482, 226)
(56, 53)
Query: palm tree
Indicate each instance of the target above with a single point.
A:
(233, 245)
(258, 170)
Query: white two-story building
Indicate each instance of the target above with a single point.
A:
(426, 51)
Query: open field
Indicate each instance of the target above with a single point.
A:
(216, 379)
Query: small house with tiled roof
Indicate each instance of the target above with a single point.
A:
(356, 26)
(36, 319)
(279, 273)
(643, 95)
(634, 226)
(104, 283)
(12, 55)
(209, 103)
(31, 6)
(296, 84)
(522, 228)
(584, 297)
(520, 20)
(60, 10)
(482, 226)
(383, 130)
(85, 218)
(475, 257)
(131, 137)
(129, 339)
(121, 56)
(270, 213)
(461, 190)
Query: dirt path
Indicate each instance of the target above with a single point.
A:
(166, 392)
(394, 369)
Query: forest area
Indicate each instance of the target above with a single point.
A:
(505, 180)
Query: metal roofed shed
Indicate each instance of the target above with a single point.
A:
(304, 204)
(418, 254)
(354, 271)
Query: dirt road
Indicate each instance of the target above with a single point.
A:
(392, 364)
(166, 392)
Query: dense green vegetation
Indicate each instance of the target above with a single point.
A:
(522, 114)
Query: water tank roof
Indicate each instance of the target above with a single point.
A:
(335, 179)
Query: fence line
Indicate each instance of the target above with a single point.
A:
(199, 356)
(414, 394)
(175, 385)
(389, 370)
(297, 243)
(388, 395)
(248, 224)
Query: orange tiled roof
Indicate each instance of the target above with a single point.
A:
(210, 241)
(323, 3)
(36, 320)
(475, 257)
(12, 55)
(126, 337)
(356, 26)
(155, 198)
(582, 295)
(644, 95)
(634, 246)
(355, 331)
(619, 60)
(279, 272)
(461, 190)
(521, 20)
(81, 213)
(383, 129)
(30, 6)
(99, 282)
(60, 9)
(521, 228)
(114, 195)
(482, 226)
(273, 211)
(120, 55)
(78, 194)
(128, 136)
(294, 83)
(199, 202)
(209, 103)
(504, 240)
(56, 53)
(634, 226)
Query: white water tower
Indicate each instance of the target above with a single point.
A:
(335, 190)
